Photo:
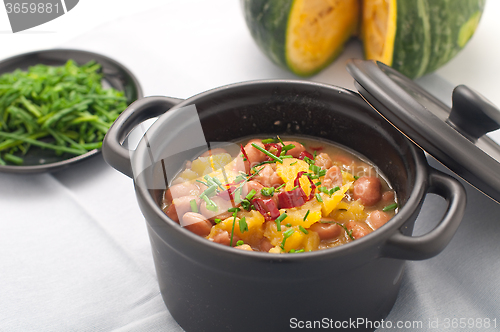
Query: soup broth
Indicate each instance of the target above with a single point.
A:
(280, 195)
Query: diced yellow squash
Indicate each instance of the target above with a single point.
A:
(342, 205)
(288, 173)
(254, 221)
(297, 241)
(295, 216)
(331, 202)
(206, 165)
(355, 211)
(311, 242)
(187, 175)
(347, 177)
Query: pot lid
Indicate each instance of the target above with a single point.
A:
(456, 137)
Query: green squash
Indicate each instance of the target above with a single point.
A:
(413, 36)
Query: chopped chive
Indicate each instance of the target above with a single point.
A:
(268, 140)
(268, 192)
(267, 153)
(246, 204)
(303, 230)
(294, 188)
(278, 188)
(288, 225)
(309, 160)
(251, 194)
(217, 181)
(324, 190)
(390, 207)
(322, 172)
(315, 169)
(217, 220)
(279, 220)
(286, 235)
(194, 206)
(288, 147)
(232, 230)
(233, 209)
(318, 198)
(292, 251)
(293, 163)
(243, 225)
(240, 243)
(301, 250)
(355, 177)
(286, 157)
(205, 183)
(307, 213)
(212, 207)
(13, 159)
(317, 183)
(210, 190)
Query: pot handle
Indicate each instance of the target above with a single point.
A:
(114, 153)
(429, 245)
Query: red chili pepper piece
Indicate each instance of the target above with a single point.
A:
(228, 194)
(296, 182)
(278, 148)
(296, 197)
(245, 154)
(266, 207)
(305, 154)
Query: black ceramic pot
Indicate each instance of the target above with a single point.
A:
(211, 287)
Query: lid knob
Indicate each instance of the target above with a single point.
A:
(472, 114)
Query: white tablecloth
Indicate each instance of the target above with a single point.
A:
(75, 254)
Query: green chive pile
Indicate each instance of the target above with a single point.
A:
(65, 109)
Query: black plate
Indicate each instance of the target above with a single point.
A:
(115, 75)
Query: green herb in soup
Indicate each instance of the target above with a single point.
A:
(280, 196)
